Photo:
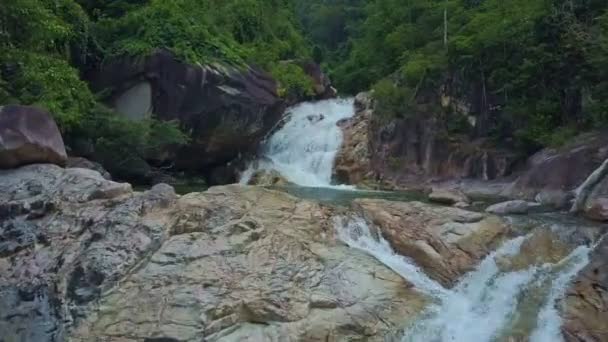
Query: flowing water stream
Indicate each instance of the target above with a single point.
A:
(304, 149)
(487, 304)
(484, 305)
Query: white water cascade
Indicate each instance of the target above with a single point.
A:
(304, 149)
(483, 306)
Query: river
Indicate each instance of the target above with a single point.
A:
(489, 303)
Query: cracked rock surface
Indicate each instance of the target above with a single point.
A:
(87, 259)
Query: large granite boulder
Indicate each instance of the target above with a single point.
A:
(86, 259)
(552, 175)
(268, 178)
(29, 135)
(446, 242)
(227, 110)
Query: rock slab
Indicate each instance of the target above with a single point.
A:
(445, 242)
(585, 308)
(516, 207)
(87, 259)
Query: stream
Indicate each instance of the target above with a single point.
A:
(490, 303)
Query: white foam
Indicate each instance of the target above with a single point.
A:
(304, 149)
(483, 304)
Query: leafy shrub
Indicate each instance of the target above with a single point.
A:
(48, 82)
(392, 101)
(293, 82)
(180, 26)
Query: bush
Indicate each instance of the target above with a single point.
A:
(47, 82)
(293, 81)
(122, 145)
(392, 101)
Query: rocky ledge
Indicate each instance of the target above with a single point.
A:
(586, 303)
(83, 258)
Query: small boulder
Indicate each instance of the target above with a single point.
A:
(83, 163)
(268, 178)
(29, 135)
(517, 207)
(597, 209)
(315, 118)
(449, 197)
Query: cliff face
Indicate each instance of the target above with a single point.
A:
(412, 151)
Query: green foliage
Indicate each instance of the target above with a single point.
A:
(180, 26)
(122, 144)
(229, 31)
(293, 82)
(544, 62)
(393, 101)
(48, 82)
(36, 39)
(41, 42)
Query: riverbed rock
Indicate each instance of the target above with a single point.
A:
(352, 164)
(268, 178)
(553, 174)
(515, 207)
(321, 82)
(446, 242)
(86, 259)
(448, 197)
(29, 135)
(597, 209)
(542, 247)
(585, 307)
(83, 163)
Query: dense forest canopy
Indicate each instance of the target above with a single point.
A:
(543, 62)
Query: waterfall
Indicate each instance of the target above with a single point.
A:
(304, 149)
(549, 320)
(483, 305)
(356, 233)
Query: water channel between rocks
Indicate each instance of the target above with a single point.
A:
(494, 302)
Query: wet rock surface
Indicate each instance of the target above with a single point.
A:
(516, 207)
(268, 178)
(585, 308)
(83, 258)
(449, 197)
(352, 165)
(446, 242)
(412, 151)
